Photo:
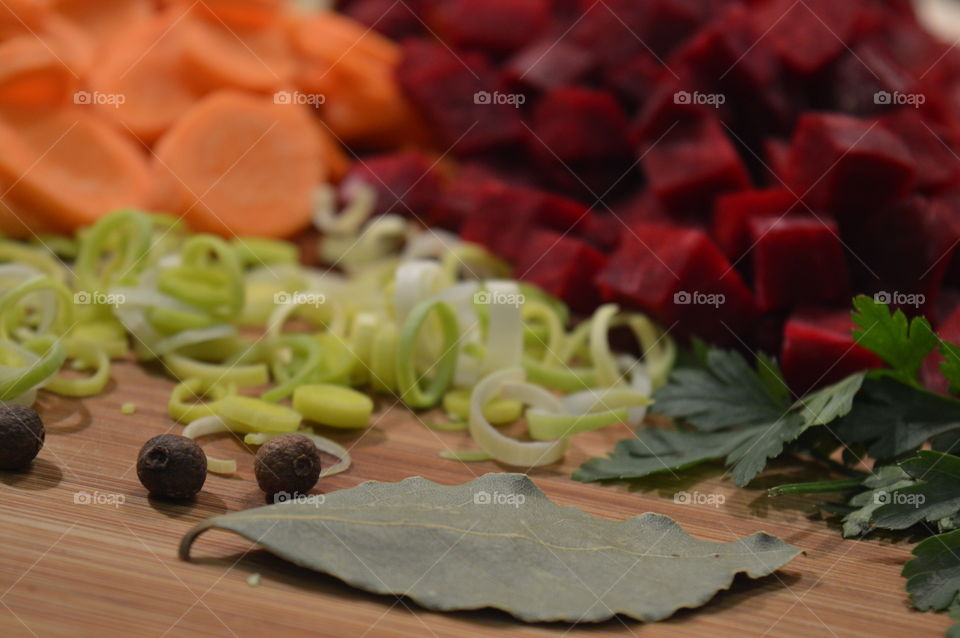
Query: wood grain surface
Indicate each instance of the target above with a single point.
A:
(84, 552)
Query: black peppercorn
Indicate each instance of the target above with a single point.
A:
(288, 463)
(172, 466)
(21, 436)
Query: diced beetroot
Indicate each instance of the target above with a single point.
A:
(902, 251)
(394, 19)
(929, 145)
(563, 266)
(797, 261)
(406, 182)
(818, 349)
(841, 163)
(502, 216)
(458, 95)
(680, 277)
(807, 35)
(690, 166)
(734, 211)
(547, 63)
(493, 26)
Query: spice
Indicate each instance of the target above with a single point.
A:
(289, 464)
(21, 436)
(172, 466)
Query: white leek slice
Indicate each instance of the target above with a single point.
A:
(505, 328)
(205, 426)
(416, 281)
(510, 384)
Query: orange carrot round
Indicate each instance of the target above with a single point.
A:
(32, 75)
(238, 164)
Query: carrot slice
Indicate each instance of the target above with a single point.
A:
(19, 17)
(335, 163)
(333, 36)
(68, 166)
(32, 75)
(142, 66)
(216, 56)
(102, 19)
(241, 165)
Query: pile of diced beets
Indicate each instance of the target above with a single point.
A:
(738, 169)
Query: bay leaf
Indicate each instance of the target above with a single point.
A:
(499, 542)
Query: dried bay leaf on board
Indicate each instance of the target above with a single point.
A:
(498, 542)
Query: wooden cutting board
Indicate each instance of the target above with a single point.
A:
(83, 552)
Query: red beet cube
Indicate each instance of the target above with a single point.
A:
(818, 349)
(841, 163)
(797, 261)
(406, 182)
(563, 266)
(635, 78)
(577, 124)
(692, 165)
(493, 26)
(460, 198)
(901, 251)
(733, 213)
(681, 278)
(460, 96)
(807, 35)
(868, 79)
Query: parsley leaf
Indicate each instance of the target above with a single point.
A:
(900, 343)
(725, 392)
(936, 494)
(933, 575)
(894, 419)
(950, 366)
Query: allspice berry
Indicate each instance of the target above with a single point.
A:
(289, 464)
(21, 436)
(172, 466)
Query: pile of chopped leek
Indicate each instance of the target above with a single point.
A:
(261, 345)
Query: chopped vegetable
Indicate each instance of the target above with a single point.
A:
(332, 405)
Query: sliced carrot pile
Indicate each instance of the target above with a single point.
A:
(68, 166)
(228, 113)
(240, 164)
(216, 56)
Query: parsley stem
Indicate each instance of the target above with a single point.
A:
(816, 487)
